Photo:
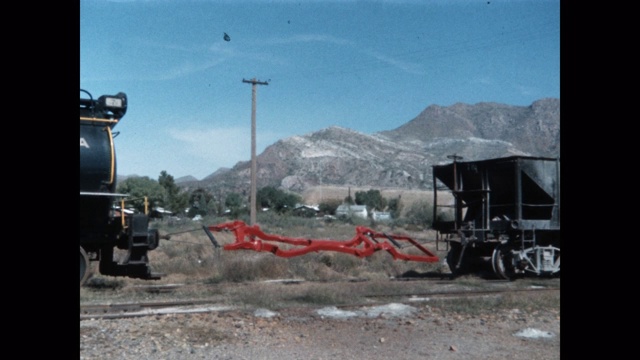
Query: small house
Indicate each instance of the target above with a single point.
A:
(306, 210)
(349, 210)
(381, 216)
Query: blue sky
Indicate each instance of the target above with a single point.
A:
(364, 65)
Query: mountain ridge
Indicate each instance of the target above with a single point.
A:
(398, 158)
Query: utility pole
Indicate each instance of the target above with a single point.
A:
(253, 83)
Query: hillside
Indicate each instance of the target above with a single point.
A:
(400, 158)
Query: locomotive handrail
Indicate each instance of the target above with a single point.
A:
(95, 119)
(93, 193)
(112, 165)
(146, 202)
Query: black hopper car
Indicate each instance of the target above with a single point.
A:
(505, 215)
(104, 223)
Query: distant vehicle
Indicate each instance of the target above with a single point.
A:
(197, 218)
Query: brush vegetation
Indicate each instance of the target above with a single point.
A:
(261, 279)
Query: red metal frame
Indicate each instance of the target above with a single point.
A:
(363, 244)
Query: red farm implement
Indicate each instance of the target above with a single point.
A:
(363, 244)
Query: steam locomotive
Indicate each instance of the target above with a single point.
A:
(105, 226)
(505, 215)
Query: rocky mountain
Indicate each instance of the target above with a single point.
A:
(185, 179)
(532, 129)
(402, 157)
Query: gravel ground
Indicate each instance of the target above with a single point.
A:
(424, 332)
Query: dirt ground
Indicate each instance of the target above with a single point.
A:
(421, 330)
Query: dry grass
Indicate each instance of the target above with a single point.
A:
(326, 277)
(189, 257)
(523, 302)
(192, 255)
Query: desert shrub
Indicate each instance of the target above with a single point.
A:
(420, 213)
(239, 270)
(397, 223)
(172, 250)
(190, 254)
(313, 267)
(346, 263)
(382, 262)
(251, 268)
(383, 265)
(101, 282)
(355, 220)
(186, 253)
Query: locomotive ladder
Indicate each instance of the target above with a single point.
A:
(363, 244)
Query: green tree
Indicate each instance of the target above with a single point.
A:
(218, 203)
(372, 199)
(395, 207)
(276, 199)
(235, 204)
(329, 206)
(267, 197)
(175, 200)
(199, 201)
(139, 187)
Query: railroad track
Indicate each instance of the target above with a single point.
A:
(463, 293)
(113, 311)
(150, 308)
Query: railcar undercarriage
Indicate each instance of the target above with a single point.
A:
(506, 215)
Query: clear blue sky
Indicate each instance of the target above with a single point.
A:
(364, 65)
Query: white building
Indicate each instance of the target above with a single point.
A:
(381, 216)
(352, 210)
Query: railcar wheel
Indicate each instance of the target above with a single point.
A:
(84, 266)
(502, 262)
